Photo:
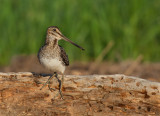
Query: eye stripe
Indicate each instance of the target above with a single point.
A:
(54, 29)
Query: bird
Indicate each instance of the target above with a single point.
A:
(53, 57)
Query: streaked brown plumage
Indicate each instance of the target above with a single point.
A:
(64, 56)
(52, 56)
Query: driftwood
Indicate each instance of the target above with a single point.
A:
(97, 95)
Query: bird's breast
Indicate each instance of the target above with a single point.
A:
(53, 64)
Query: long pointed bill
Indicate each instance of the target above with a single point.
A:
(66, 39)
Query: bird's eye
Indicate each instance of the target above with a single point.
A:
(54, 29)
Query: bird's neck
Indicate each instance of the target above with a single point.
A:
(50, 41)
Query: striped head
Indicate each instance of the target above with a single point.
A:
(53, 33)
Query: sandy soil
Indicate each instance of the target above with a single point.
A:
(150, 71)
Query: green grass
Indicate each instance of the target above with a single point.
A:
(133, 26)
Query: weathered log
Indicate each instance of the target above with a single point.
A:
(100, 95)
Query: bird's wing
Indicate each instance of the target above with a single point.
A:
(64, 56)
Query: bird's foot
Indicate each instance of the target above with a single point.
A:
(47, 82)
(58, 94)
(52, 89)
(60, 87)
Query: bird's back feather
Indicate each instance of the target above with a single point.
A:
(64, 56)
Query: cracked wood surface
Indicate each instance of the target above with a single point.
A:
(97, 95)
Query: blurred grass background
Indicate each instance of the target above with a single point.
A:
(132, 25)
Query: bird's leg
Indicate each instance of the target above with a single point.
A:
(47, 81)
(62, 80)
(51, 88)
(60, 86)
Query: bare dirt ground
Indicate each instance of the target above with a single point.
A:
(149, 71)
(29, 99)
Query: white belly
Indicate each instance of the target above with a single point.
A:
(53, 64)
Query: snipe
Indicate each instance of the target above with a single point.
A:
(53, 57)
